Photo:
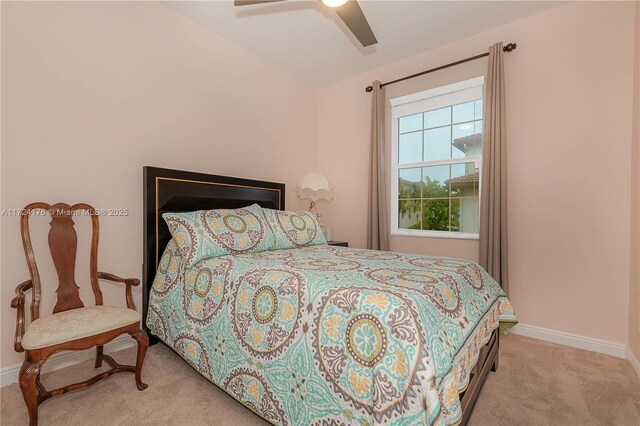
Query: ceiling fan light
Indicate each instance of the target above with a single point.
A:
(334, 3)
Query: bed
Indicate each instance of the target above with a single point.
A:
(319, 334)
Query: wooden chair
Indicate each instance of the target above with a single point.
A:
(72, 326)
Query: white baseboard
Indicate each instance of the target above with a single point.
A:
(633, 360)
(9, 375)
(574, 340)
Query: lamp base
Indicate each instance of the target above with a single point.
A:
(327, 232)
(314, 209)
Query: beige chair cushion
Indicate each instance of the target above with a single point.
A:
(76, 324)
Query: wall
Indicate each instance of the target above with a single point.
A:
(92, 92)
(634, 252)
(569, 171)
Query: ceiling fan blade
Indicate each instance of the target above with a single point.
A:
(248, 2)
(352, 16)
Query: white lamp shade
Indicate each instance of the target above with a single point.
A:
(315, 186)
(334, 3)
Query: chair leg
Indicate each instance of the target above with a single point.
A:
(494, 366)
(99, 349)
(29, 377)
(143, 342)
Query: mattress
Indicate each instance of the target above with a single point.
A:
(331, 335)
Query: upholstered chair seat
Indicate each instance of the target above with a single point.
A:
(76, 324)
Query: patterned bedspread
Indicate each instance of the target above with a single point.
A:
(331, 335)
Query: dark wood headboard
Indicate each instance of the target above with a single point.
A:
(167, 190)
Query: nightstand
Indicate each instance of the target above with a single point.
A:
(338, 243)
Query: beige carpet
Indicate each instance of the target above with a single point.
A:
(537, 383)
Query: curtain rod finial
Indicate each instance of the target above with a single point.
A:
(509, 47)
(369, 89)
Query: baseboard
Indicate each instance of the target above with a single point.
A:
(633, 360)
(9, 375)
(574, 340)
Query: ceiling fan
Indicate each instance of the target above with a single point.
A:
(348, 10)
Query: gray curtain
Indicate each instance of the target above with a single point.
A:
(493, 198)
(377, 224)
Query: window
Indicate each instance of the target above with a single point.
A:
(436, 158)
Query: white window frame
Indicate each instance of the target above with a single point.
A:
(439, 97)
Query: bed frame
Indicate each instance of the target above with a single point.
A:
(488, 360)
(167, 190)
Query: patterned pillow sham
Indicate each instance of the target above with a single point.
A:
(205, 234)
(294, 229)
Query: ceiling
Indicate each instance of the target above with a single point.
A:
(308, 39)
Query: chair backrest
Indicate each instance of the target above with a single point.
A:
(63, 243)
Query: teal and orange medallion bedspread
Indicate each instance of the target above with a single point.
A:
(331, 335)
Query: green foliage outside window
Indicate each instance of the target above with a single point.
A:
(434, 208)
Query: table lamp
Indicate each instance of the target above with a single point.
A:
(314, 187)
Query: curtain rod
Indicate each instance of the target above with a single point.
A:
(508, 48)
